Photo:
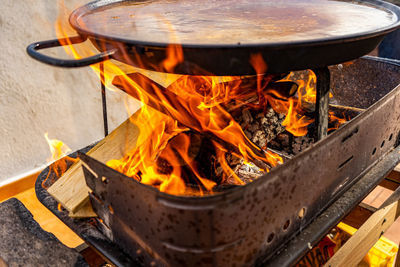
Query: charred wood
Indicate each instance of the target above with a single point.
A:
(161, 97)
(260, 127)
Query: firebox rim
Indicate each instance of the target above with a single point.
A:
(212, 201)
(234, 194)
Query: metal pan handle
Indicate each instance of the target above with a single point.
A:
(66, 63)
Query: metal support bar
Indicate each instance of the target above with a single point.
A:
(322, 102)
(103, 98)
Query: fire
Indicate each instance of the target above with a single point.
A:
(336, 121)
(174, 57)
(310, 94)
(176, 120)
(59, 157)
(292, 107)
(295, 123)
(198, 109)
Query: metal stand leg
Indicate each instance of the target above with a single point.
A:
(322, 102)
(103, 98)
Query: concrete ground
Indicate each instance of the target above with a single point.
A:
(36, 98)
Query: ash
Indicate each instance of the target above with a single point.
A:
(246, 171)
(260, 127)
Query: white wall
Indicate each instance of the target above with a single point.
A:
(36, 98)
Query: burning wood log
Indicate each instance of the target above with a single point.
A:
(249, 95)
(300, 143)
(247, 172)
(293, 145)
(289, 145)
(309, 107)
(261, 127)
(71, 190)
(260, 124)
(161, 98)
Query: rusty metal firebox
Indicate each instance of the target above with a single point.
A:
(247, 224)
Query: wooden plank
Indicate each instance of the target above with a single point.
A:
(363, 211)
(358, 216)
(389, 184)
(71, 190)
(378, 196)
(84, 212)
(395, 174)
(353, 251)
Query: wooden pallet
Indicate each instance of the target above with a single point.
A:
(371, 223)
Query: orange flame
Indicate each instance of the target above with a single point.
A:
(59, 157)
(336, 121)
(174, 57)
(294, 122)
(192, 106)
(310, 94)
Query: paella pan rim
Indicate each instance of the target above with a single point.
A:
(73, 20)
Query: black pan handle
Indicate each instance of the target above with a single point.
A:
(66, 63)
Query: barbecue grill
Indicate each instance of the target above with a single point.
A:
(250, 224)
(330, 166)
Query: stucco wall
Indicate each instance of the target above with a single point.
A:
(36, 98)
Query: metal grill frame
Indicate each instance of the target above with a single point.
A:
(245, 226)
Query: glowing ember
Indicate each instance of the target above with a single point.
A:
(336, 121)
